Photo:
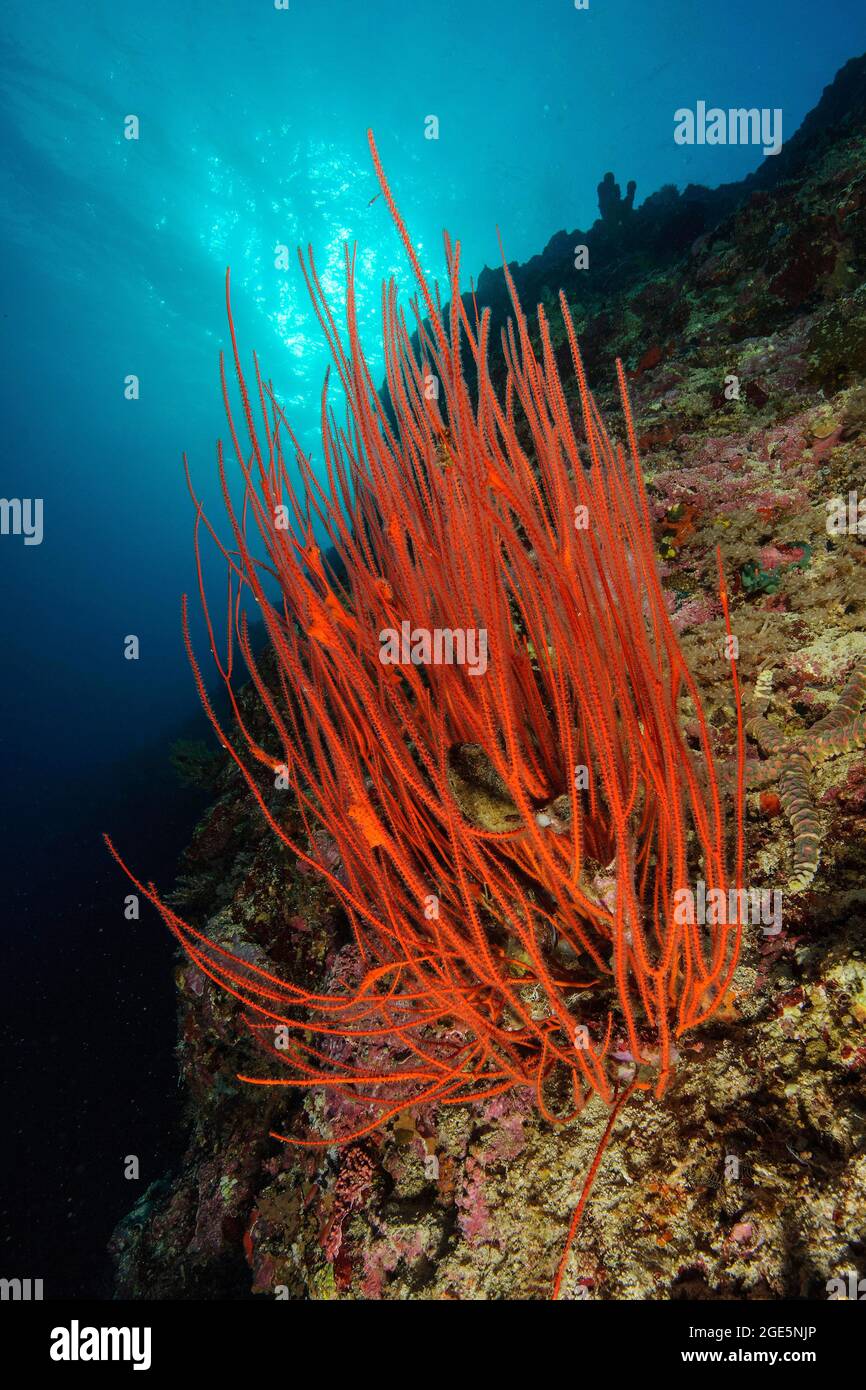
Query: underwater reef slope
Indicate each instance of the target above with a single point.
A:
(741, 318)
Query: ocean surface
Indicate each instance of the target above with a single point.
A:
(251, 135)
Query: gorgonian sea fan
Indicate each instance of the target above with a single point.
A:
(506, 845)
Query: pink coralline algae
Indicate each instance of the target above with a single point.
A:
(383, 1257)
(771, 556)
(222, 1197)
(507, 1114)
(328, 856)
(471, 1200)
(691, 613)
(851, 794)
(508, 1142)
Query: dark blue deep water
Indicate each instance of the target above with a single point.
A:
(252, 134)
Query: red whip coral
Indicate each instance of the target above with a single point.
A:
(506, 837)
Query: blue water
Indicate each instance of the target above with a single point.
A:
(252, 133)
